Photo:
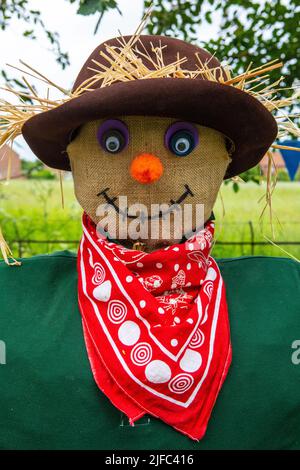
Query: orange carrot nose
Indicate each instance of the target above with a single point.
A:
(146, 168)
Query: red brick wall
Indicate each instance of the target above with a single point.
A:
(278, 160)
(7, 153)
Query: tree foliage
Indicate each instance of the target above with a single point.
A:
(33, 21)
(10, 9)
(250, 31)
(36, 170)
(90, 7)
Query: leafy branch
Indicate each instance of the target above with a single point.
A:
(250, 31)
(90, 7)
(11, 9)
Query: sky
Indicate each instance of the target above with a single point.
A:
(76, 37)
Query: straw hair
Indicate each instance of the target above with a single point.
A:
(6, 252)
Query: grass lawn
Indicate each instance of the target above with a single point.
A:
(243, 207)
(32, 210)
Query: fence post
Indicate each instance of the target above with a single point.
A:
(251, 237)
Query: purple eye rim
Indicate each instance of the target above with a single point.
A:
(181, 126)
(113, 125)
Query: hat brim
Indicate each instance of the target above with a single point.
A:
(233, 112)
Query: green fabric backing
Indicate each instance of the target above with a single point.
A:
(48, 398)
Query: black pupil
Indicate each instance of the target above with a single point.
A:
(112, 145)
(181, 146)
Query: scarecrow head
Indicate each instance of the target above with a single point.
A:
(153, 121)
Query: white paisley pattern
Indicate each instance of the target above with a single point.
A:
(199, 257)
(152, 282)
(179, 279)
(208, 288)
(197, 340)
(181, 383)
(117, 311)
(99, 274)
(141, 354)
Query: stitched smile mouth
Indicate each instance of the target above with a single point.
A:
(112, 202)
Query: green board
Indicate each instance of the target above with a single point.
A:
(48, 398)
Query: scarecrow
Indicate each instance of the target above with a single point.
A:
(159, 121)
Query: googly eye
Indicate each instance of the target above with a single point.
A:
(113, 135)
(181, 138)
(113, 141)
(182, 143)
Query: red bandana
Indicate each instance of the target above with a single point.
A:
(156, 327)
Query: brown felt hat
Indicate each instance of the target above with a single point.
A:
(205, 100)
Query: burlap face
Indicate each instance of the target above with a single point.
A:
(94, 169)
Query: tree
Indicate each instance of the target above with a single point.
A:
(90, 7)
(19, 9)
(10, 9)
(250, 31)
(36, 170)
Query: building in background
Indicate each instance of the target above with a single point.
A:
(278, 161)
(8, 157)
